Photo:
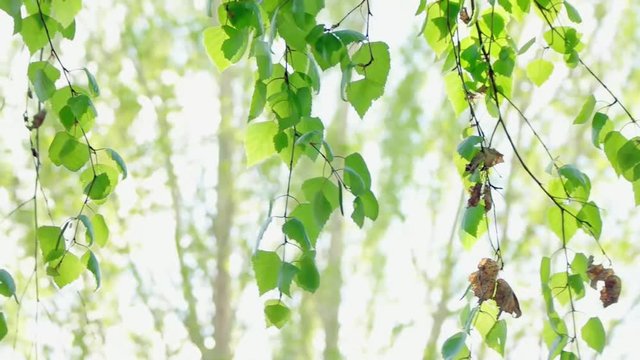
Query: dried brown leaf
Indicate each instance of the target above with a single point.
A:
(506, 299)
(488, 200)
(475, 192)
(464, 16)
(611, 291)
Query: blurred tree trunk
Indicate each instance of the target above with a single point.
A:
(223, 317)
(330, 293)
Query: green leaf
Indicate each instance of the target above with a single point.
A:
(545, 269)
(358, 212)
(122, 166)
(497, 337)
(473, 225)
(455, 92)
(590, 214)
(304, 213)
(70, 31)
(258, 142)
(64, 11)
(285, 276)
(288, 29)
(559, 285)
(7, 285)
(100, 230)
(43, 76)
(349, 36)
(33, 33)
(322, 208)
(244, 15)
(3, 326)
(572, 12)
(593, 334)
(369, 204)
(68, 270)
(628, 157)
(362, 93)
(372, 61)
(539, 70)
(12, 8)
(258, 100)
(311, 188)
(294, 230)
(93, 84)
(468, 148)
(52, 244)
(526, 46)
(355, 162)
(580, 265)
(565, 355)
(308, 278)
(91, 263)
(586, 110)
(328, 50)
(600, 127)
(277, 314)
(266, 265)
(99, 185)
(453, 345)
(213, 39)
(576, 183)
(555, 219)
(636, 192)
(486, 317)
(88, 226)
(262, 53)
(563, 39)
(612, 144)
(576, 285)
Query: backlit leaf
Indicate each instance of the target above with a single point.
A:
(593, 334)
(266, 265)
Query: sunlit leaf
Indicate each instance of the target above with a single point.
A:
(7, 285)
(266, 265)
(258, 143)
(308, 278)
(277, 314)
(68, 269)
(453, 346)
(593, 334)
(539, 70)
(91, 263)
(586, 110)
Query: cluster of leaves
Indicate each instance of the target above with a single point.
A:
(73, 115)
(285, 88)
(479, 58)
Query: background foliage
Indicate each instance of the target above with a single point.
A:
(183, 224)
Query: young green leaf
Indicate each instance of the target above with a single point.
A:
(473, 225)
(3, 326)
(308, 278)
(539, 70)
(52, 244)
(592, 222)
(122, 166)
(7, 285)
(266, 265)
(213, 38)
(526, 46)
(294, 230)
(43, 76)
(613, 142)
(572, 12)
(93, 84)
(276, 313)
(258, 142)
(68, 269)
(453, 346)
(33, 33)
(356, 163)
(100, 230)
(586, 110)
(593, 334)
(68, 152)
(358, 212)
(497, 337)
(91, 263)
(285, 276)
(88, 226)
